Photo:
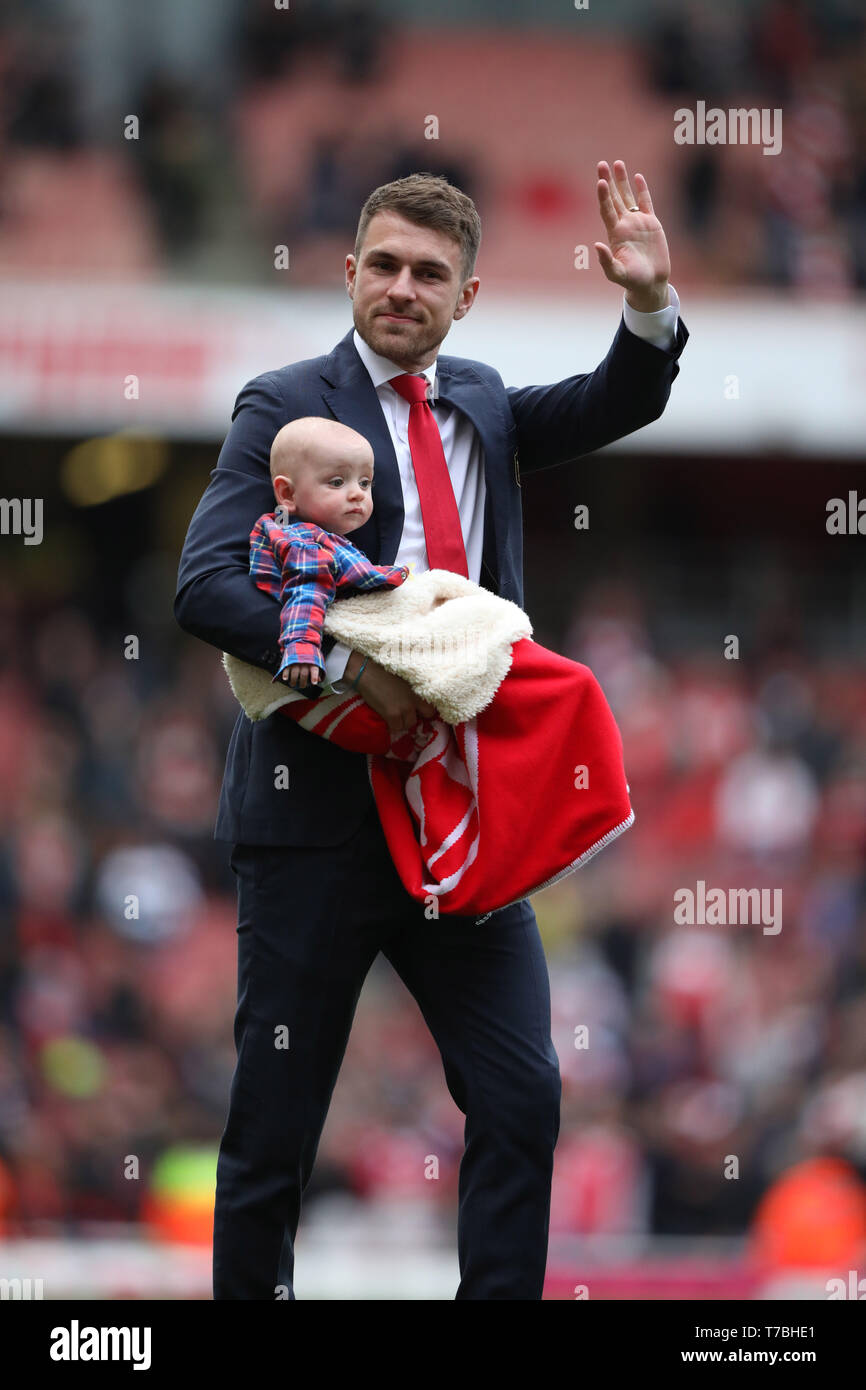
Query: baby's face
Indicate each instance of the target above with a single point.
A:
(334, 490)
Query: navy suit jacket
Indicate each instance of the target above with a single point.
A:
(522, 429)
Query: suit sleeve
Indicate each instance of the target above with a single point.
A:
(217, 600)
(628, 390)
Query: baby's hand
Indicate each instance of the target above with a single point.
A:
(297, 676)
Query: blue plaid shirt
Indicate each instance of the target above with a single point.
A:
(306, 568)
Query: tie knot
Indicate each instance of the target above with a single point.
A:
(412, 388)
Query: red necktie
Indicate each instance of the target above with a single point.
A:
(445, 549)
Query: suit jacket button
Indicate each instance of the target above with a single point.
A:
(517, 470)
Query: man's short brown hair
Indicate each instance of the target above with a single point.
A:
(430, 201)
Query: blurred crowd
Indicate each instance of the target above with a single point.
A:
(801, 223)
(680, 1046)
(215, 163)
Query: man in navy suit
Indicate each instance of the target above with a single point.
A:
(318, 895)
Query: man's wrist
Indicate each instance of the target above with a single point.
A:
(658, 329)
(649, 301)
(353, 665)
(335, 663)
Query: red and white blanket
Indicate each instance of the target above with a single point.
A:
(520, 779)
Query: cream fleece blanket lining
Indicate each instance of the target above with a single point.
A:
(449, 638)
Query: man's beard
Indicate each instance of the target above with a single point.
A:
(397, 347)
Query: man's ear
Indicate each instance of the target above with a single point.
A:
(466, 298)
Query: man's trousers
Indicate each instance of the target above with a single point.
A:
(311, 921)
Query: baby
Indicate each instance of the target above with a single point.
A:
(322, 474)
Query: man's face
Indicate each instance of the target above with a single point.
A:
(407, 288)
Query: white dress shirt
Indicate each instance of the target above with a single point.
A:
(461, 445)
